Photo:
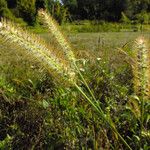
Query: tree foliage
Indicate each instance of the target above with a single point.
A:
(107, 10)
(26, 10)
(4, 11)
(57, 10)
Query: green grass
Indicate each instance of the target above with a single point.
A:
(93, 27)
(105, 39)
(94, 41)
(38, 113)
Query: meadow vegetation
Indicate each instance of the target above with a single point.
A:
(87, 26)
(92, 96)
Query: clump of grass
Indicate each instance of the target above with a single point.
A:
(17, 38)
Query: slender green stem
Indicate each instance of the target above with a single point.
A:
(102, 115)
(97, 106)
(87, 86)
(89, 100)
(142, 113)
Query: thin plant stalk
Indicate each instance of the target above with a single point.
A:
(79, 72)
(88, 99)
(102, 115)
(142, 113)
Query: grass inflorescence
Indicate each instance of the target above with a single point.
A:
(141, 68)
(32, 45)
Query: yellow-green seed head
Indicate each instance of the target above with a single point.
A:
(54, 30)
(141, 68)
(15, 37)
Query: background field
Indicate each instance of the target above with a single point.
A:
(93, 41)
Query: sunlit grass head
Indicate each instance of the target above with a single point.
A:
(141, 67)
(15, 37)
(57, 34)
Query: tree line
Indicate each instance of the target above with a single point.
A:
(107, 10)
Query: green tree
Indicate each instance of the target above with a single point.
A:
(125, 19)
(4, 11)
(109, 10)
(87, 9)
(3, 4)
(3, 7)
(27, 10)
(57, 10)
(72, 6)
(40, 4)
(11, 3)
(143, 17)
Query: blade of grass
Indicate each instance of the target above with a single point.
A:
(102, 114)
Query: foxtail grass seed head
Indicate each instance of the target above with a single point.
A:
(141, 68)
(54, 30)
(16, 37)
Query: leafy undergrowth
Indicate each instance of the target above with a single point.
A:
(36, 112)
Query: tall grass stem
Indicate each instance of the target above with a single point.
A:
(102, 115)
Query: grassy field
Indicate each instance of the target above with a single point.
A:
(94, 41)
(39, 112)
